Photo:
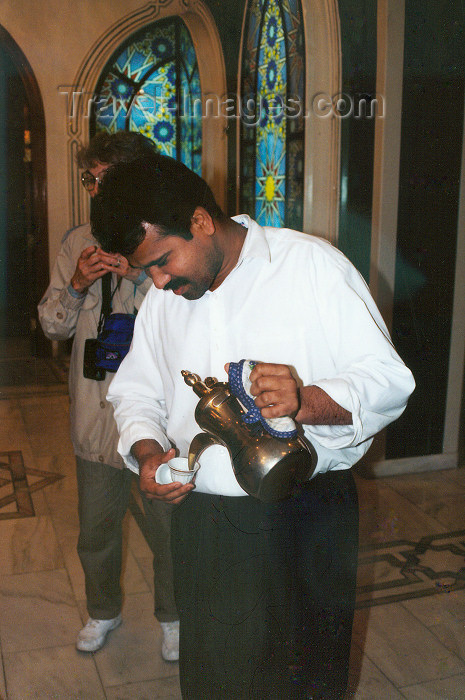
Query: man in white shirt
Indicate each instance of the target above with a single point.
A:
(265, 592)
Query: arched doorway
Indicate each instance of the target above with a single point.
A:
(23, 210)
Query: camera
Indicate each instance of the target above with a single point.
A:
(90, 369)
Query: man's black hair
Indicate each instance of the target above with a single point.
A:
(156, 190)
(120, 147)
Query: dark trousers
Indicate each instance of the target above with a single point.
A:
(266, 592)
(103, 493)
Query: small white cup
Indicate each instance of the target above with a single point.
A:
(179, 470)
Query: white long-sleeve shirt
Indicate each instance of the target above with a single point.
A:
(291, 299)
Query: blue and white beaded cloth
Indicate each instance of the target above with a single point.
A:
(239, 384)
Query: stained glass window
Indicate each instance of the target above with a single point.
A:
(272, 113)
(152, 85)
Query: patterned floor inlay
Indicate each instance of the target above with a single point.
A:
(17, 482)
(387, 573)
(396, 571)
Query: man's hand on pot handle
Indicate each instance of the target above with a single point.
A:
(277, 393)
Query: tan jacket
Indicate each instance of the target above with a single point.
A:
(62, 316)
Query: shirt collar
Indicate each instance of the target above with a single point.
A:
(255, 244)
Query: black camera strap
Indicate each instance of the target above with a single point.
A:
(106, 300)
(107, 297)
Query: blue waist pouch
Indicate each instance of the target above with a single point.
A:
(114, 341)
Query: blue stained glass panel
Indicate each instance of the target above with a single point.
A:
(151, 86)
(270, 154)
(273, 80)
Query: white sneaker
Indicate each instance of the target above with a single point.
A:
(170, 644)
(94, 634)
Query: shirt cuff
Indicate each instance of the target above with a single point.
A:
(70, 301)
(141, 279)
(74, 293)
(131, 435)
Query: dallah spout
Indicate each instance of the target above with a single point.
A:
(198, 445)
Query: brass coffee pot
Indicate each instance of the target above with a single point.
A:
(266, 467)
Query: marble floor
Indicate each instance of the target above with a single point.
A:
(409, 632)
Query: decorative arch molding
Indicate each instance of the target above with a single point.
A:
(205, 38)
(322, 137)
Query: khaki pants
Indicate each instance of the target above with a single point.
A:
(103, 500)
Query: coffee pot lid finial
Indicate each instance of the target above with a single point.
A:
(195, 382)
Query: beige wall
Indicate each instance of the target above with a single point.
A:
(62, 35)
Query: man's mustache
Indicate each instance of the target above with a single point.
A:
(175, 284)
